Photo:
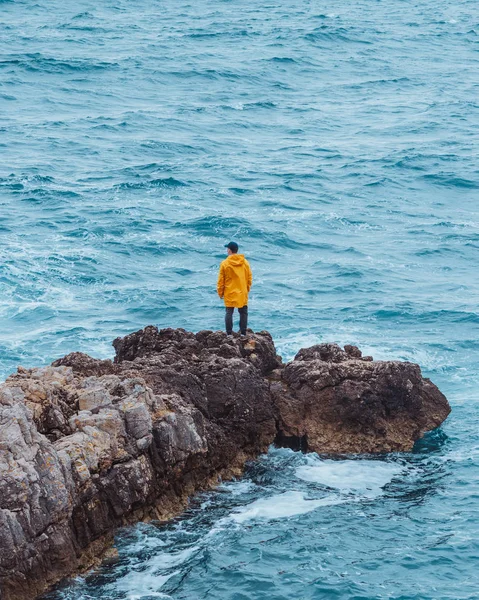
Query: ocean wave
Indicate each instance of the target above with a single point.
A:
(326, 33)
(364, 477)
(431, 316)
(37, 62)
(218, 35)
(83, 15)
(161, 182)
(281, 506)
(282, 60)
(451, 181)
(215, 225)
(442, 250)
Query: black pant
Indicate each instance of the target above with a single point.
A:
(243, 319)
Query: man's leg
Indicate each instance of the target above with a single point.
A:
(229, 319)
(243, 319)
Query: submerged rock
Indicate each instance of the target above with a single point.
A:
(89, 445)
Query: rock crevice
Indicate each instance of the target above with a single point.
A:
(89, 445)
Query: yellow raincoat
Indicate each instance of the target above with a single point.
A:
(234, 281)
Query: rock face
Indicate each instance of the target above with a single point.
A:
(88, 445)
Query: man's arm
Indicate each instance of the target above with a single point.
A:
(220, 286)
(249, 276)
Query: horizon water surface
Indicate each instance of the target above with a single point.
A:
(337, 143)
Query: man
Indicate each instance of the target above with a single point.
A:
(234, 283)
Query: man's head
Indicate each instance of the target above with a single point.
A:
(232, 248)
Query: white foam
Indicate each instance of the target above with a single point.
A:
(166, 560)
(150, 580)
(288, 345)
(236, 488)
(138, 584)
(364, 477)
(281, 506)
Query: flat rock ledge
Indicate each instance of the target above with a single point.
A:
(89, 445)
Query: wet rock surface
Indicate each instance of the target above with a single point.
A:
(89, 445)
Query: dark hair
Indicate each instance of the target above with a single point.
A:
(233, 246)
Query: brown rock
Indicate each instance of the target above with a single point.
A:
(337, 402)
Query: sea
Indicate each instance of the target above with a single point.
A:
(337, 143)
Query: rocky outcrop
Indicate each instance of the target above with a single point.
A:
(331, 400)
(88, 445)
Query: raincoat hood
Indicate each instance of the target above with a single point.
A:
(236, 260)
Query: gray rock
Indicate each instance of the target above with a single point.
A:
(137, 417)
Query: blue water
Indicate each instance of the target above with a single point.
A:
(337, 143)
